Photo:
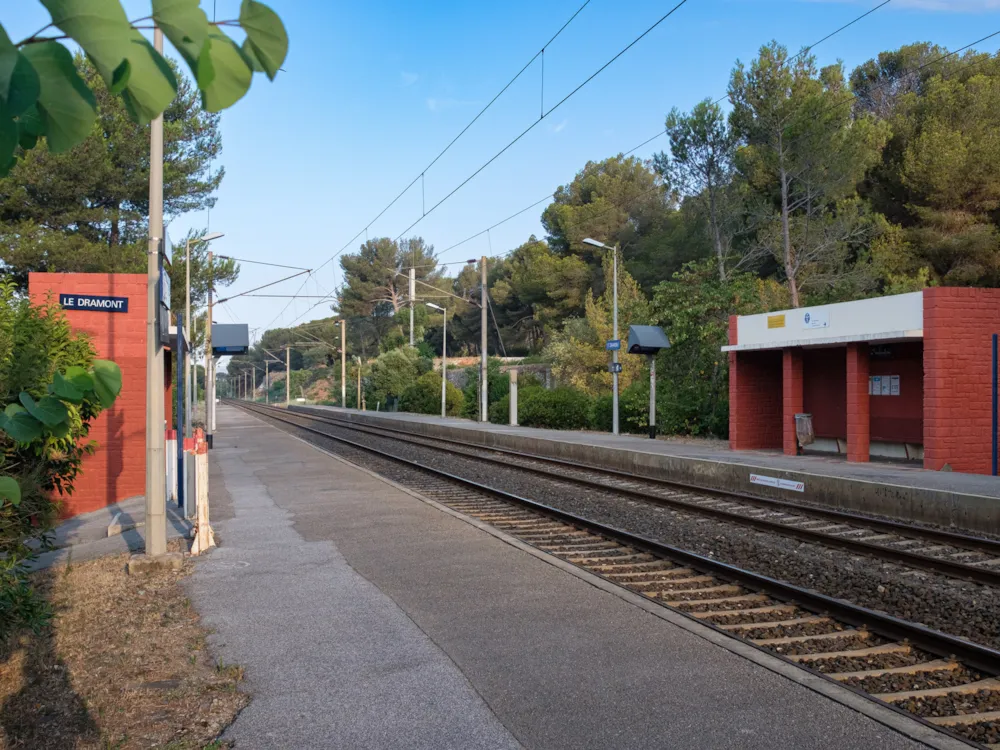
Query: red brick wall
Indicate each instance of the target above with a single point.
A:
(823, 393)
(118, 469)
(900, 419)
(958, 326)
(754, 400)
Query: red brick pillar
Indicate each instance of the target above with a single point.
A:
(858, 419)
(791, 399)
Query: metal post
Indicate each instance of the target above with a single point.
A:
(614, 354)
(413, 294)
(513, 397)
(358, 404)
(994, 404)
(181, 356)
(652, 396)
(483, 392)
(288, 376)
(187, 334)
(209, 379)
(444, 366)
(267, 381)
(343, 361)
(156, 483)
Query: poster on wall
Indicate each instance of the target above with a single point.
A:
(885, 385)
(894, 385)
(877, 385)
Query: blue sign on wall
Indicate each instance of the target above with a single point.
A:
(97, 303)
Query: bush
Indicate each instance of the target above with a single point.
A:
(633, 410)
(559, 409)
(51, 388)
(498, 386)
(499, 412)
(424, 396)
(391, 373)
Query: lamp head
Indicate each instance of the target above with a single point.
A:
(436, 307)
(210, 237)
(595, 243)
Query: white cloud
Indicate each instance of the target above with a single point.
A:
(408, 79)
(559, 127)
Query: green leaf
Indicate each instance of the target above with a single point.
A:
(266, 35)
(10, 490)
(13, 410)
(232, 73)
(125, 59)
(21, 426)
(65, 104)
(107, 381)
(151, 84)
(9, 138)
(251, 55)
(80, 378)
(65, 389)
(19, 86)
(185, 24)
(60, 431)
(47, 410)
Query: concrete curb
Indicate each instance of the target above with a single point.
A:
(886, 716)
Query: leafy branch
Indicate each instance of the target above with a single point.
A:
(43, 95)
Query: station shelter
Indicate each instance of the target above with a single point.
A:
(907, 376)
(111, 309)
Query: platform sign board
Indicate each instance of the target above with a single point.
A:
(94, 302)
(613, 345)
(230, 338)
(784, 484)
(815, 319)
(615, 367)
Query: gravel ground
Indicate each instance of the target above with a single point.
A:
(876, 661)
(897, 683)
(961, 608)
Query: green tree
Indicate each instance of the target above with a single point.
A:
(614, 200)
(804, 152)
(391, 374)
(423, 396)
(577, 352)
(700, 165)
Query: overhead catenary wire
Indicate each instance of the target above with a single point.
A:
(460, 134)
(556, 106)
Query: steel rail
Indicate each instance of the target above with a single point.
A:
(911, 559)
(975, 655)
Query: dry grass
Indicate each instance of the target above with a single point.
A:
(124, 665)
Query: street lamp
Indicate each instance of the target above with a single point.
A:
(189, 406)
(444, 359)
(617, 344)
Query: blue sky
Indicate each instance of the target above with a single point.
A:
(374, 90)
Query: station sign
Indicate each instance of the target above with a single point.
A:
(95, 302)
(613, 345)
(615, 367)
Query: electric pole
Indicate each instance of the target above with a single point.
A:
(413, 294)
(209, 374)
(288, 376)
(343, 357)
(483, 401)
(156, 509)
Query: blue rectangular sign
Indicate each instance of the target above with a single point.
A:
(97, 303)
(613, 345)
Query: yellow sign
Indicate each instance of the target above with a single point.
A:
(775, 321)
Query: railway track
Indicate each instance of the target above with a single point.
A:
(968, 557)
(944, 681)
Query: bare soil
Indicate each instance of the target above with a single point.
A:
(122, 665)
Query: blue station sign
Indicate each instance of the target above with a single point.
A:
(613, 345)
(97, 303)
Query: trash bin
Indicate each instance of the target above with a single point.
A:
(804, 429)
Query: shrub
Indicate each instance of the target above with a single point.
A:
(498, 385)
(633, 410)
(51, 388)
(499, 412)
(391, 373)
(424, 396)
(559, 409)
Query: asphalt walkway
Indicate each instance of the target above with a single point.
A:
(368, 618)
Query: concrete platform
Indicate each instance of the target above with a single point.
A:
(368, 617)
(964, 501)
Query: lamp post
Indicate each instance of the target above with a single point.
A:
(444, 359)
(614, 352)
(189, 391)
